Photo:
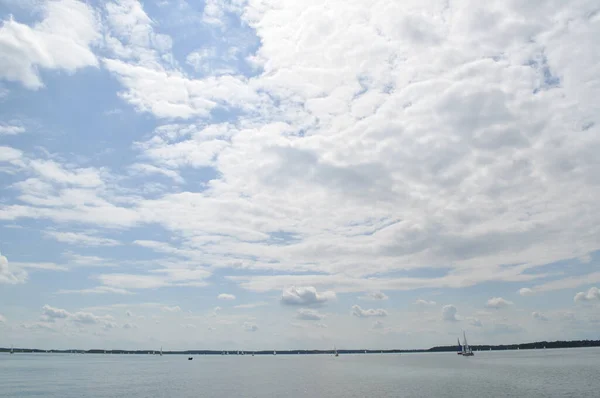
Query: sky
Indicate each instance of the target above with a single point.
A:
(282, 174)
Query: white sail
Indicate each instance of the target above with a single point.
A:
(467, 351)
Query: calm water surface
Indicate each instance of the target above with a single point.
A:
(532, 373)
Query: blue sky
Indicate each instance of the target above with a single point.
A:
(281, 174)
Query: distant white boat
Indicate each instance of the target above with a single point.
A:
(161, 351)
(335, 352)
(12, 351)
(274, 352)
(466, 350)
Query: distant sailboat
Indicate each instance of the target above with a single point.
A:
(274, 352)
(460, 352)
(466, 351)
(12, 351)
(161, 351)
(335, 352)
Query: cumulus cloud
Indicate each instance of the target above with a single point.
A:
(51, 314)
(375, 296)
(526, 291)
(225, 296)
(475, 322)
(449, 313)
(61, 41)
(250, 327)
(454, 152)
(539, 316)
(309, 315)
(129, 326)
(7, 129)
(305, 296)
(9, 274)
(593, 294)
(497, 303)
(366, 313)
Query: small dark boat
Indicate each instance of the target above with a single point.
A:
(190, 358)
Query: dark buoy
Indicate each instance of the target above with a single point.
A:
(190, 358)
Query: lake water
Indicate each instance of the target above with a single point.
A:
(532, 373)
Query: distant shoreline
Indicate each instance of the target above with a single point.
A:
(502, 347)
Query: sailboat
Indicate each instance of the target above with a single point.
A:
(274, 352)
(11, 349)
(161, 351)
(335, 352)
(466, 350)
(460, 352)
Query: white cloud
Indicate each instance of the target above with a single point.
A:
(378, 325)
(130, 326)
(526, 291)
(95, 290)
(449, 313)
(51, 314)
(148, 169)
(2, 319)
(131, 35)
(539, 316)
(250, 327)
(171, 309)
(425, 303)
(61, 40)
(81, 239)
(10, 274)
(225, 296)
(7, 129)
(305, 296)
(11, 155)
(375, 296)
(168, 93)
(497, 303)
(593, 294)
(309, 315)
(475, 322)
(251, 305)
(55, 172)
(362, 313)
(450, 128)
